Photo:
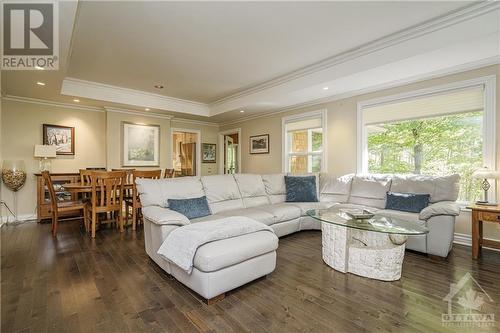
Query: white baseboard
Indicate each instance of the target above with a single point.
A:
(465, 239)
(20, 218)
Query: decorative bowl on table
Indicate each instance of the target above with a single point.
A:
(358, 214)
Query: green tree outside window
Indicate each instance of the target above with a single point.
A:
(430, 146)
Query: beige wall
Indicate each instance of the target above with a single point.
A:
(22, 130)
(97, 142)
(342, 136)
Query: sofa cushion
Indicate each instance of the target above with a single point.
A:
(156, 192)
(405, 216)
(282, 211)
(214, 256)
(308, 174)
(444, 188)
(222, 193)
(254, 213)
(370, 190)
(407, 202)
(191, 208)
(447, 188)
(275, 187)
(252, 189)
(335, 189)
(301, 189)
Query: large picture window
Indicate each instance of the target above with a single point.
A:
(304, 142)
(437, 134)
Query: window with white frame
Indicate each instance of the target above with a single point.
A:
(304, 142)
(441, 132)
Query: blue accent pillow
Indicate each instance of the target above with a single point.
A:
(192, 208)
(407, 202)
(301, 189)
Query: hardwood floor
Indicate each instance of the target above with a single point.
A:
(76, 284)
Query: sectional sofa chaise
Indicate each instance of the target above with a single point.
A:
(223, 265)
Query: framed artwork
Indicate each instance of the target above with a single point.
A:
(208, 153)
(259, 144)
(141, 145)
(63, 137)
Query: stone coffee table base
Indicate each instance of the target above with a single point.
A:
(370, 254)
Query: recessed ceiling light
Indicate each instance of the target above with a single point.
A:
(147, 109)
(76, 100)
(39, 68)
(158, 86)
(40, 83)
(325, 88)
(242, 111)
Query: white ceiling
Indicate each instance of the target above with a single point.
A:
(215, 58)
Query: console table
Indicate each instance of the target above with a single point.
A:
(480, 214)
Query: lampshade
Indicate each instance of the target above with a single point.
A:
(485, 173)
(45, 151)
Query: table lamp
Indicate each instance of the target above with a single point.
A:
(44, 152)
(485, 174)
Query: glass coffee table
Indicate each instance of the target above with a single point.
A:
(373, 248)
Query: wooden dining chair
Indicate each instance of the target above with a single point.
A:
(85, 180)
(135, 202)
(169, 173)
(107, 197)
(127, 193)
(57, 206)
(85, 176)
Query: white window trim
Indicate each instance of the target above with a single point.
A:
(297, 117)
(198, 146)
(489, 135)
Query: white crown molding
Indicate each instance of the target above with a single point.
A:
(138, 113)
(384, 86)
(115, 94)
(193, 121)
(52, 103)
(430, 26)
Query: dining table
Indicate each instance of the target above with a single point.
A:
(78, 187)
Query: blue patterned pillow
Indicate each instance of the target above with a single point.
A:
(301, 189)
(192, 208)
(407, 202)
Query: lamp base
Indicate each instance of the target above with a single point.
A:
(45, 165)
(486, 203)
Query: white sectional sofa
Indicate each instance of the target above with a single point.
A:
(226, 264)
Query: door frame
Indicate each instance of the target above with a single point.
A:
(198, 147)
(220, 149)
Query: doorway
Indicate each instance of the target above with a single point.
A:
(229, 151)
(186, 150)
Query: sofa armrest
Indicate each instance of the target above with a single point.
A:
(440, 208)
(164, 216)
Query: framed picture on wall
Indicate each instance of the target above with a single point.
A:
(259, 144)
(140, 145)
(208, 153)
(63, 137)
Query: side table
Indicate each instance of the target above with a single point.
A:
(482, 214)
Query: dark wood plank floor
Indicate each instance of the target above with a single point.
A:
(75, 284)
